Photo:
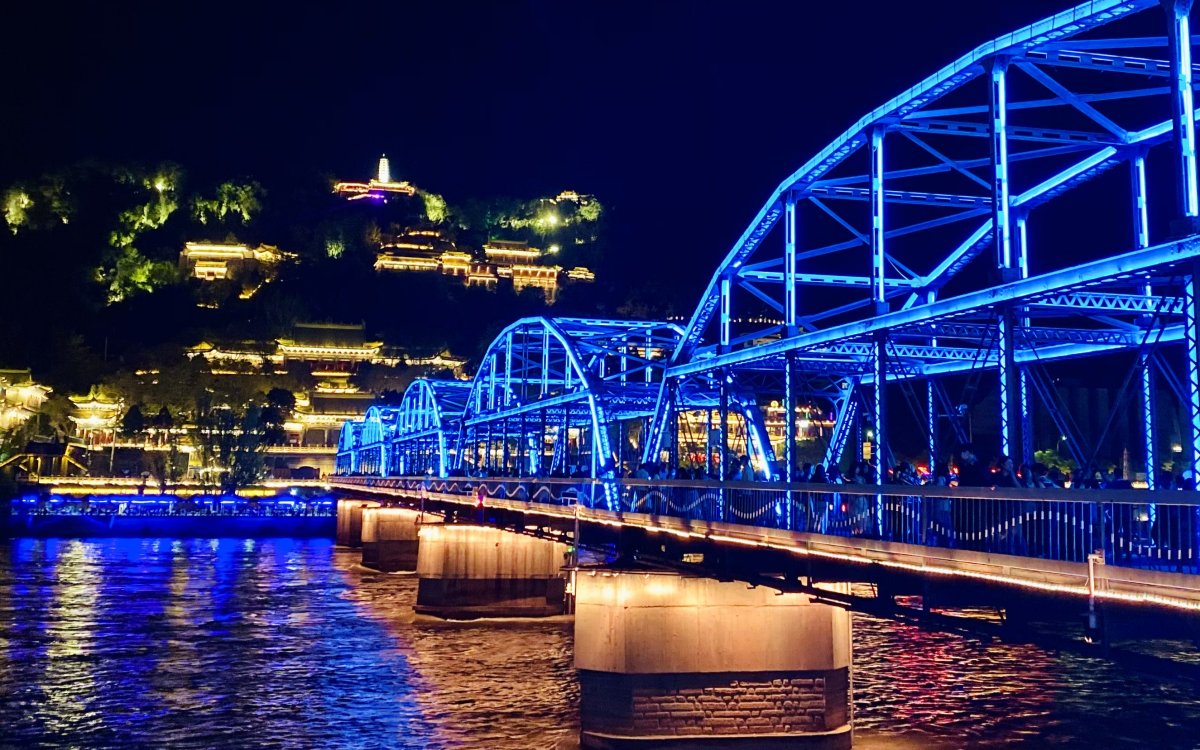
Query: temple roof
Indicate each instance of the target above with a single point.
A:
(328, 334)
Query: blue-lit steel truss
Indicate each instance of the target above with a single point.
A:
(1034, 201)
(427, 427)
(556, 396)
(907, 248)
(375, 439)
(349, 441)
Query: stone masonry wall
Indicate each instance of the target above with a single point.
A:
(714, 704)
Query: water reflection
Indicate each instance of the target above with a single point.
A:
(497, 684)
(278, 643)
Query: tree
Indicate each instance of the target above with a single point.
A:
(280, 404)
(235, 200)
(16, 208)
(133, 423)
(163, 420)
(435, 207)
(233, 441)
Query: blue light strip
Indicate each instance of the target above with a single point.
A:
(878, 247)
(1000, 200)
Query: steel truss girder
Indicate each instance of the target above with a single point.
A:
(934, 126)
(826, 279)
(909, 197)
(1124, 269)
(1102, 61)
(1113, 302)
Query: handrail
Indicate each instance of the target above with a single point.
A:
(1046, 495)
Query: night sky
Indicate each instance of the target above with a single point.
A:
(681, 117)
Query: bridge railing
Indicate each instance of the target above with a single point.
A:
(1133, 528)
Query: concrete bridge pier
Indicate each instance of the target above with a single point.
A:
(389, 537)
(673, 662)
(467, 571)
(349, 520)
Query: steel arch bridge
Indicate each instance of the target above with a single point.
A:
(371, 440)
(349, 442)
(906, 249)
(427, 426)
(1034, 201)
(554, 395)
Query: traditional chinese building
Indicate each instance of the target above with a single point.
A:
(333, 349)
(250, 267)
(20, 397)
(380, 188)
(96, 416)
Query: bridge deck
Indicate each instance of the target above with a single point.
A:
(1141, 544)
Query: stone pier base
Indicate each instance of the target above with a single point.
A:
(389, 537)
(349, 521)
(467, 571)
(670, 662)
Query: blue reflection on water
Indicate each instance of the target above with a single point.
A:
(194, 643)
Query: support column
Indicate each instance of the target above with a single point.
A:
(1001, 210)
(1010, 387)
(931, 415)
(878, 249)
(389, 537)
(723, 448)
(349, 520)
(790, 402)
(789, 264)
(1187, 199)
(725, 314)
(672, 662)
(1141, 239)
(1182, 114)
(879, 371)
(466, 572)
(1026, 418)
(1191, 305)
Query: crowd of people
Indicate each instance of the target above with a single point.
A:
(964, 469)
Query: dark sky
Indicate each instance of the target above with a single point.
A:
(681, 116)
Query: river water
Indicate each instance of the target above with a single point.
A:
(231, 643)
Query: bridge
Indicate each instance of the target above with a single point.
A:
(1029, 210)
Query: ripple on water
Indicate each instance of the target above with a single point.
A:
(291, 644)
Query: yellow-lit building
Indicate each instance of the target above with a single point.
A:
(96, 417)
(388, 261)
(20, 397)
(441, 361)
(380, 188)
(335, 347)
(539, 277)
(506, 253)
(209, 261)
(811, 424)
(318, 417)
(241, 358)
(456, 263)
(579, 273)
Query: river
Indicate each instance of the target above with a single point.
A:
(238, 643)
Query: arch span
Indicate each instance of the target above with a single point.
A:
(556, 395)
(427, 426)
(934, 237)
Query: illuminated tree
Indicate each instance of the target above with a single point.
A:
(133, 273)
(435, 207)
(16, 208)
(240, 200)
(590, 211)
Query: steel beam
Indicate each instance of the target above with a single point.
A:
(1128, 267)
